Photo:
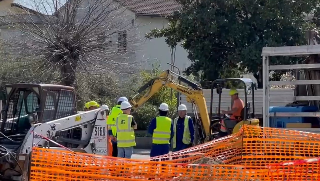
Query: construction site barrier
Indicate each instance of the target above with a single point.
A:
(253, 154)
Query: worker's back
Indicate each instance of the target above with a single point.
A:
(237, 103)
(115, 111)
(113, 115)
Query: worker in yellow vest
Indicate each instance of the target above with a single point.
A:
(109, 143)
(183, 130)
(161, 129)
(125, 126)
(91, 105)
(86, 106)
(94, 105)
(111, 121)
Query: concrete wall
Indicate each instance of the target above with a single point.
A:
(10, 35)
(156, 50)
(7, 9)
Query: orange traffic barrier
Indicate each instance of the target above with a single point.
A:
(253, 154)
(110, 148)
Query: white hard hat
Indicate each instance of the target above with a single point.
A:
(104, 107)
(125, 105)
(182, 107)
(164, 107)
(122, 99)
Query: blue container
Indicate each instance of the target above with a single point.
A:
(280, 122)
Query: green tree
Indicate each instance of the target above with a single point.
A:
(224, 35)
(101, 88)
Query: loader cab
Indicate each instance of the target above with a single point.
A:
(245, 86)
(28, 104)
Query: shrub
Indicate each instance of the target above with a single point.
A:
(100, 88)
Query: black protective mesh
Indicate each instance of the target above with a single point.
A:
(66, 104)
(49, 108)
(59, 104)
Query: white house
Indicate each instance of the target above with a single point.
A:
(145, 15)
(150, 14)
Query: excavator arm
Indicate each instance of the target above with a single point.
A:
(192, 91)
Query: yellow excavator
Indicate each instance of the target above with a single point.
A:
(246, 117)
(193, 93)
(204, 126)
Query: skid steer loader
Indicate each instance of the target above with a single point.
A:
(45, 115)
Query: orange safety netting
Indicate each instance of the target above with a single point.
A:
(253, 154)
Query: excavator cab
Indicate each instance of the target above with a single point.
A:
(246, 117)
(28, 104)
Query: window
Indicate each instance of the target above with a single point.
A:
(66, 104)
(101, 39)
(122, 41)
(49, 107)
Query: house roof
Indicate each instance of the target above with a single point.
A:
(152, 7)
(140, 7)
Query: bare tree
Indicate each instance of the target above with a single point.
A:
(77, 36)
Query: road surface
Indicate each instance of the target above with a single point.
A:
(141, 154)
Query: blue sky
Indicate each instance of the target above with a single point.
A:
(42, 6)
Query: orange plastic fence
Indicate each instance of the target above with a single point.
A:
(253, 154)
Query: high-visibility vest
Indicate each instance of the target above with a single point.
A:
(161, 135)
(125, 133)
(111, 121)
(186, 139)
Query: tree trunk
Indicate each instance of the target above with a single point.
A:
(68, 72)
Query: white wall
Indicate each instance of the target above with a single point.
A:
(278, 97)
(156, 50)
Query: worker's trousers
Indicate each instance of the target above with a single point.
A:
(181, 147)
(228, 124)
(114, 149)
(125, 152)
(159, 149)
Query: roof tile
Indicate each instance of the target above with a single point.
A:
(152, 7)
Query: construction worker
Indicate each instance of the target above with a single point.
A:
(161, 129)
(109, 141)
(111, 121)
(183, 130)
(94, 105)
(91, 105)
(237, 106)
(125, 126)
(86, 106)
